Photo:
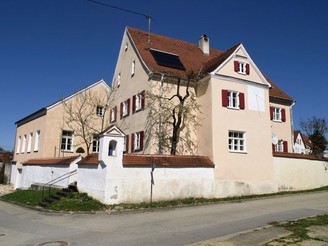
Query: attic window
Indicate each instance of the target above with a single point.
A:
(166, 59)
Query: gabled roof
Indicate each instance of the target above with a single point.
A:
(305, 139)
(191, 56)
(43, 111)
(52, 161)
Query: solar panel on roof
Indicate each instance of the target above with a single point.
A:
(165, 59)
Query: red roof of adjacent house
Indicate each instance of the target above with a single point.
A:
(305, 139)
(52, 161)
(132, 160)
(189, 54)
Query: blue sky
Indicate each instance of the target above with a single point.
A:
(52, 48)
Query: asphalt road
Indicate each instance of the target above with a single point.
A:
(180, 226)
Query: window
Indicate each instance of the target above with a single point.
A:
(133, 68)
(137, 141)
(112, 148)
(19, 140)
(126, 144)
(138, 102)
(237, 141)
(100, 110)
(29, 143)
(37, 141)
(95, 144)
(118, 79)
(24, 144)
(281, 146)
(126, 46)
(278, 114)
(233, 99)
(113, 113)
(241, 67)
(67, 141)
(125, 108)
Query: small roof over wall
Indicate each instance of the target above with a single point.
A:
(52, 161)
(131, 160)
(299, 156)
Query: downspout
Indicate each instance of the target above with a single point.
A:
(160, 148)
(292, 123)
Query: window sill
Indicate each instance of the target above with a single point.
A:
(237, 152)
(233, 108)
(278, 121)
(67, 151)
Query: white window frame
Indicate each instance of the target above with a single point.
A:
(95, 144)
(37, 141)
(118, 79)
(137, 141)
(125, 108)
(100, 111)
(138, 102)
(112, 115)
(241, 67)
(277, 115)
(68, 141)
(279, 147)
(233, 99)
(24, 144)
(19, 140)
(29, 143)
(133, 68)
(237, 141)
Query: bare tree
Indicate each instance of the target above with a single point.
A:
(316, 128)
(86, 115)
(174, 115)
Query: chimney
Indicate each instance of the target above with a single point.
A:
(204, 44)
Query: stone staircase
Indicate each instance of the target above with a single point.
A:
(62, 193)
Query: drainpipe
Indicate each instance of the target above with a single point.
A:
(160, 149)
(292, 123)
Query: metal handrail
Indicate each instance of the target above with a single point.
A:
(56, 180)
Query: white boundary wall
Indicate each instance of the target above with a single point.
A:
(300, 174)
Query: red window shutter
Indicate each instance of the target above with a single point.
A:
(225, 98)
(121, 110)
(115, 112)
(285, 144)
(241, 100)
(141, 140)
(236, 66)
(271, 113)
(110, 115)
(133, 104)
(142, 99)
(247, 69)
(283, 115)
(273, 148)
(132, 142)
(128, 101)
(126, 143)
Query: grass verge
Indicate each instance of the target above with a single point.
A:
(82, 202)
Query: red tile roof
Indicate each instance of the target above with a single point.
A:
(190, 55)
(299, 156)
(89, 160)
(130, 160)
(52, 161)
(133, 160)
